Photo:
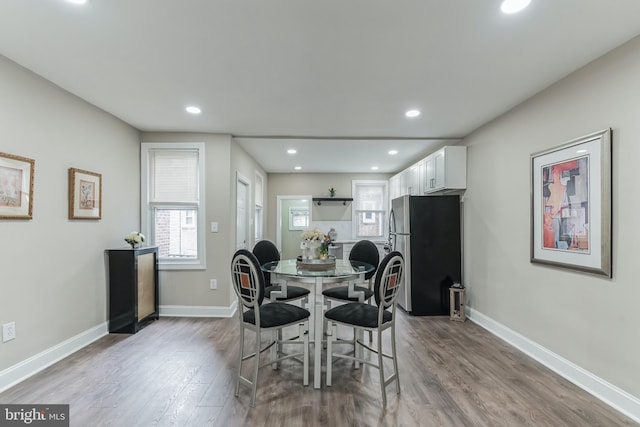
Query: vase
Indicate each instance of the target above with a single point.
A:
(310, 249)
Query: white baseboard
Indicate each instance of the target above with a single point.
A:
(197, 311)
(608, 393)
(31, 366)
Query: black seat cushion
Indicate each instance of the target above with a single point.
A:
(276, 314)
(358, 314)
(342, 293)
(293, 292)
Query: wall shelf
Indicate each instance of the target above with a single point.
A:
(343, 200)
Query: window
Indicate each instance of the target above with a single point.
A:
(298, 218)
(173, 202)
(369, 209)
(259, 202)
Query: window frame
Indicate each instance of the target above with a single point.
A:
(147, 208)
(384, 184)
(258, 207)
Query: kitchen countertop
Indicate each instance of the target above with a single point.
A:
(339, 241)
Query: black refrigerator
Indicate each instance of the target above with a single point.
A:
(426, 231)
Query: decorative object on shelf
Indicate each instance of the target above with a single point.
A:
(16, 186)
(312, 240)
(571, 205)
(85, 194)
(333, 234)
(332, 192)
(135, 238)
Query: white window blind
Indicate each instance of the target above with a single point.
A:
(173, 176)
(369, 209)
(369, 197)
(172, 202)
(259, 190)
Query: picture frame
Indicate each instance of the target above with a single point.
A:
(85, 194)
(16, 186)
(571, 205)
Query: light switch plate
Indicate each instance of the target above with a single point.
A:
(8, 331)
(214, 227)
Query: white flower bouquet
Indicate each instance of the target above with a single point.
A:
(134, 238)
(312, 234)
(313, 242)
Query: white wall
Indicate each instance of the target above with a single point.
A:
(53, 280)
(316, 184)
(187, 292)
(591, 321)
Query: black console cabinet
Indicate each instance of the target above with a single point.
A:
(133, 288)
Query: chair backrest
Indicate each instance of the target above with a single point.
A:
(266, 251)
(389, 279)
(247, 278)
(366, 251)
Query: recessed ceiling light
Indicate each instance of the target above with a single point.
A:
(412, 113)
(298, 168)
(193, 110)
(77, 1)
(513, 6)
(292, 151)
(393, 152)
(374, 168)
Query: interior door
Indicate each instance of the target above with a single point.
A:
(242, 212)
(288, 236)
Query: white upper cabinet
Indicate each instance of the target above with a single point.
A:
(395, 187)
(413, 180)
(446, 169)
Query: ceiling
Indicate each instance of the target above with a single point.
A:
(331, 78)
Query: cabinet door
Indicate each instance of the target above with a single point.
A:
(439, 174)
(146, 285)
(422, 177)
(413, 180)
(430, 174)
(393, 183)
(346, 250)
(404, 187)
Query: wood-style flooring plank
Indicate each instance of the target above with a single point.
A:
(182, 372)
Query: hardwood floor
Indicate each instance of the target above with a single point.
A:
(180, 371)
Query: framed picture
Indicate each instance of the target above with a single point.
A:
(16, 187)
(85, 194)
(571, 205)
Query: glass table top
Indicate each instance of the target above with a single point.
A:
(342, 268)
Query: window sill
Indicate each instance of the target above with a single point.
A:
(196, 265)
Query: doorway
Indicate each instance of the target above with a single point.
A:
(242, 212)
(293, 215)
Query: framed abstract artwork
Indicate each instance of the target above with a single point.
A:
(571, 205)
(85, 194)
(16, 187)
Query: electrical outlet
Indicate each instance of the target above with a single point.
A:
(213, 284)
(8, 331)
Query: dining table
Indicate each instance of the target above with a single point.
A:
(316, 276)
